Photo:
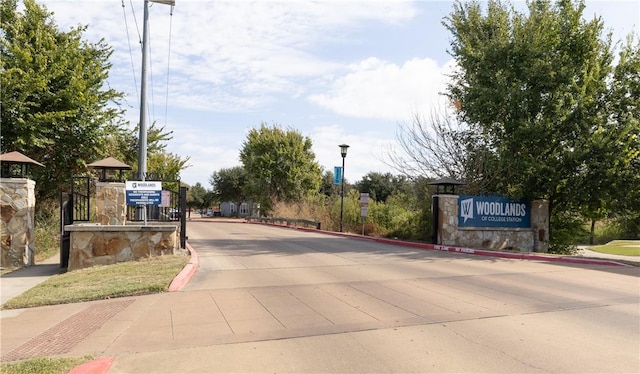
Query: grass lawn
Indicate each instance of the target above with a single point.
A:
(150, 275)
(619, 247)
(43, 365)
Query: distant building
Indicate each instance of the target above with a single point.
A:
(229, 209)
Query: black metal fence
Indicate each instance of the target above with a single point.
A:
(82, 191)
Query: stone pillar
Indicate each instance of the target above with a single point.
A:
(448, 219)
(17, 209)
(540, 225)
(111, 207)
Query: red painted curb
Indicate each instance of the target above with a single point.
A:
(98, 366)
(185, 275)
(479, 252)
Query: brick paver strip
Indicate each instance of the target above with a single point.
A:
(64, 336)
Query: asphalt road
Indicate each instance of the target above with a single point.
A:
(294, 301)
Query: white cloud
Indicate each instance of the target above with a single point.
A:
(363, 155)
(379, 89)
(254, 50)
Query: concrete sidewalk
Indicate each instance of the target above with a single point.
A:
(17, 282)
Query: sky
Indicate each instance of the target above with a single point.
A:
(335, 71)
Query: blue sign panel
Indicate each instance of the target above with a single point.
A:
(143, 193)
(337, 175)
(481, 211)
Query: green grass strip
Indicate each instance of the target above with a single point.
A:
(145, 276)
(619, 247)
(43, 365)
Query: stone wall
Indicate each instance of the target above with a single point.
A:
(540, 225)
(535, 238)
(111, 207)
(94, 244)
(17, 210)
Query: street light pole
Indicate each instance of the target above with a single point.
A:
(343, 153)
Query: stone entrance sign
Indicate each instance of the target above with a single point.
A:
(492, 223)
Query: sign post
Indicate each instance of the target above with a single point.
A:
(364, 204)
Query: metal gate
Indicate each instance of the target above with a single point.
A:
(75, 206)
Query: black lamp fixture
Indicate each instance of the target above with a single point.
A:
(343, 153)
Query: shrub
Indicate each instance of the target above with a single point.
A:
(47, 229)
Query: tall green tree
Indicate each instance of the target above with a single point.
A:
(611, 180)
(624, 124)
(56, 107)
(230, 184)
(199, 197)
(166, 165)
(534, 87)
(327, 187)
(381, 186)
(280, 165)
(122, 144)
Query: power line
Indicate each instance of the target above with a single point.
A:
(151, 108)
(133, 70)
(135, 20)
(166, 100)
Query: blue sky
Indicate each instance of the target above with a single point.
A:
(336, 71)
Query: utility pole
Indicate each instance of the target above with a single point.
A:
(142, 134)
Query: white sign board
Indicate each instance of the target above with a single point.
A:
(165, 199)
(364, 199)
(143, 192)
(363, 211)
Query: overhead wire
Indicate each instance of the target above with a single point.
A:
(140, 41)
(150, 107)
(133, 70)
(135, 20)
(166, 100)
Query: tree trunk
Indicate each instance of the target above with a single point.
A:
(592, 234)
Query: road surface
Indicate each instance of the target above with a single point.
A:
(283, 300)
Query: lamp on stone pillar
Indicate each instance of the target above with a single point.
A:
(343, 153)
(16, 165)
(107, 165)
(111, 207)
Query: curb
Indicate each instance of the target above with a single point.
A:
(185, 275)
(98, 366)
(478, 252)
